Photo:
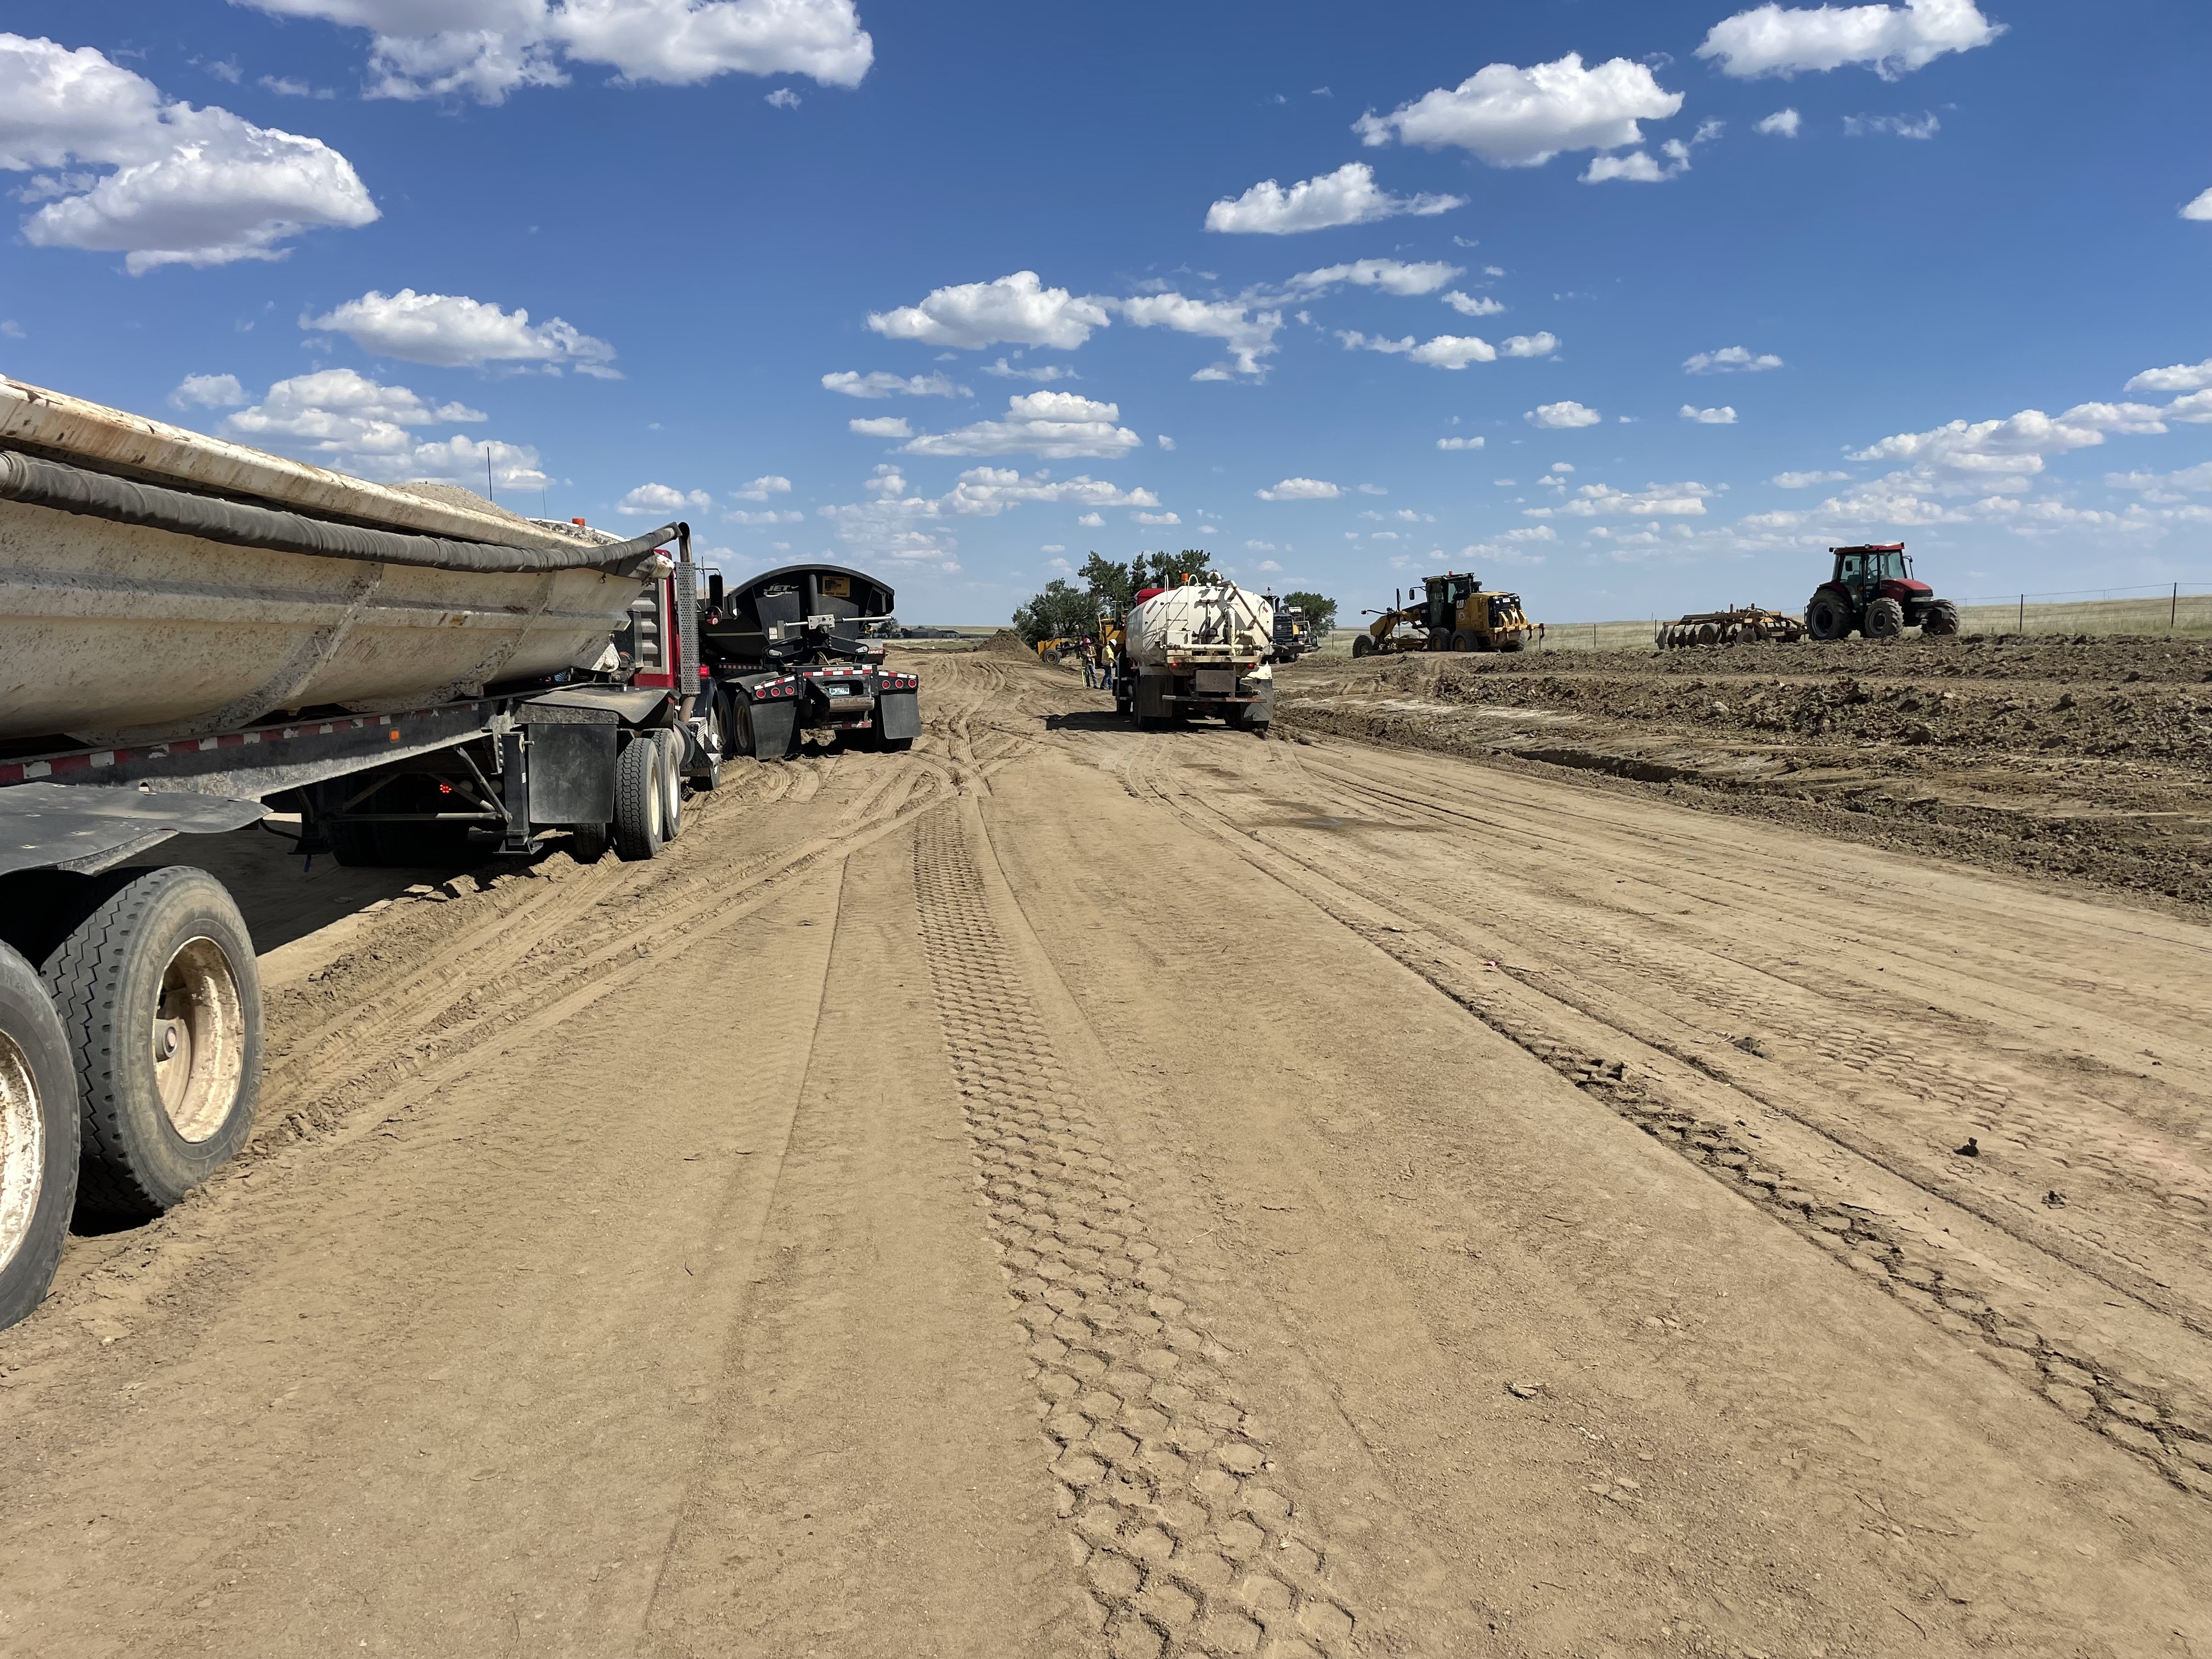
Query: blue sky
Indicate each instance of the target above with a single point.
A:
(1957, 294)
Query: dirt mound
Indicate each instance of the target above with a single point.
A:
(1006, 644)
(2088, 759)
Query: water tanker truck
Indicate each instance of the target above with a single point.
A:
(194, 635)
(1202, 648)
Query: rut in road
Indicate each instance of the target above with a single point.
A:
(2093, 1389)
(1188, 1536)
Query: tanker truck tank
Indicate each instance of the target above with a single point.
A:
(1203, 649)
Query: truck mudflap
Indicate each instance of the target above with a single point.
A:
(899, 713)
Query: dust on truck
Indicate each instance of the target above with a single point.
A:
(193, 633)
(1203, 648)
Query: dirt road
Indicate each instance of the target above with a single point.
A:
(1067, 1192)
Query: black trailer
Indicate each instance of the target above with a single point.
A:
(800, 649)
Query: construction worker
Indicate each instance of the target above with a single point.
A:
(1089, 663)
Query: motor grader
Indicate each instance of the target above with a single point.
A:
(1452, 613)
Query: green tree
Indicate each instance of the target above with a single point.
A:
(1108, 579)
(1058, 612)
(1319, 609)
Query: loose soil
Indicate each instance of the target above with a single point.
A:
(2084, 759)
(1067, 1191)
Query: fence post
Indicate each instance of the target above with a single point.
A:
(1593, 636)
(2173, 610)
(2023, 613)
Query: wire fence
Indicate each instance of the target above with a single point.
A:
(2180, 609)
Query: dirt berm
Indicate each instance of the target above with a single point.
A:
(2085, 760)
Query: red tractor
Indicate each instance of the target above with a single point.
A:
(1874, 593)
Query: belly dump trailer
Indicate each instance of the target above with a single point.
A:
(192, 635)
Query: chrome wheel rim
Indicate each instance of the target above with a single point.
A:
(199, 1038)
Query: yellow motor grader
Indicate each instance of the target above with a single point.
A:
(1453, 612)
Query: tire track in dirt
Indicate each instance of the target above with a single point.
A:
(1188, 1537)
(2174, 1437)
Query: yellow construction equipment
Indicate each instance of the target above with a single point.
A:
(1452, 613)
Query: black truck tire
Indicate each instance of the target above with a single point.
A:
(1363, 645)
(38, 1138)
(1939, 621)
(638, 831)
(1884, 620)
(588, 843)
(1463, 641)
(355, 846)
(160, 999)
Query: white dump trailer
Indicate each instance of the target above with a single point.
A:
(1200, 649)
(193, 634)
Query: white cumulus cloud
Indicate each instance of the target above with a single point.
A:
(854, 383)
(1248, 334)
(1783, 123)
(1560, 416)
(1895, 126)
(486, 49)
(1051, 425)
(1300, 489)
(1348, 196)
(208, 392)
(340, 418)
(760, 488)
(1468, 305)
(1391, 276)
(1731, 360)
(1723, 415)
(1156, 518)
(1654, 500)
(655, 500)
(1014, 310)
(187, 186)
(452, 330)
(1806, 480)
(1044, 372)
(1771, 40)
(2199, 208)
(896, 523)
(1516, 118)
(2179, 377)
(1459, 443)
(881, 426)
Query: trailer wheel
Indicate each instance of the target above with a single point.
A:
(1363, 645)
(353, 845)
(588, 843)
(158, 991)
(671, 782)
(38, 1138)
(638, 829)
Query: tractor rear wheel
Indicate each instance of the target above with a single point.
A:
(1363, 645)
(1827, 618)
(1884, 620)
(1940, 620)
